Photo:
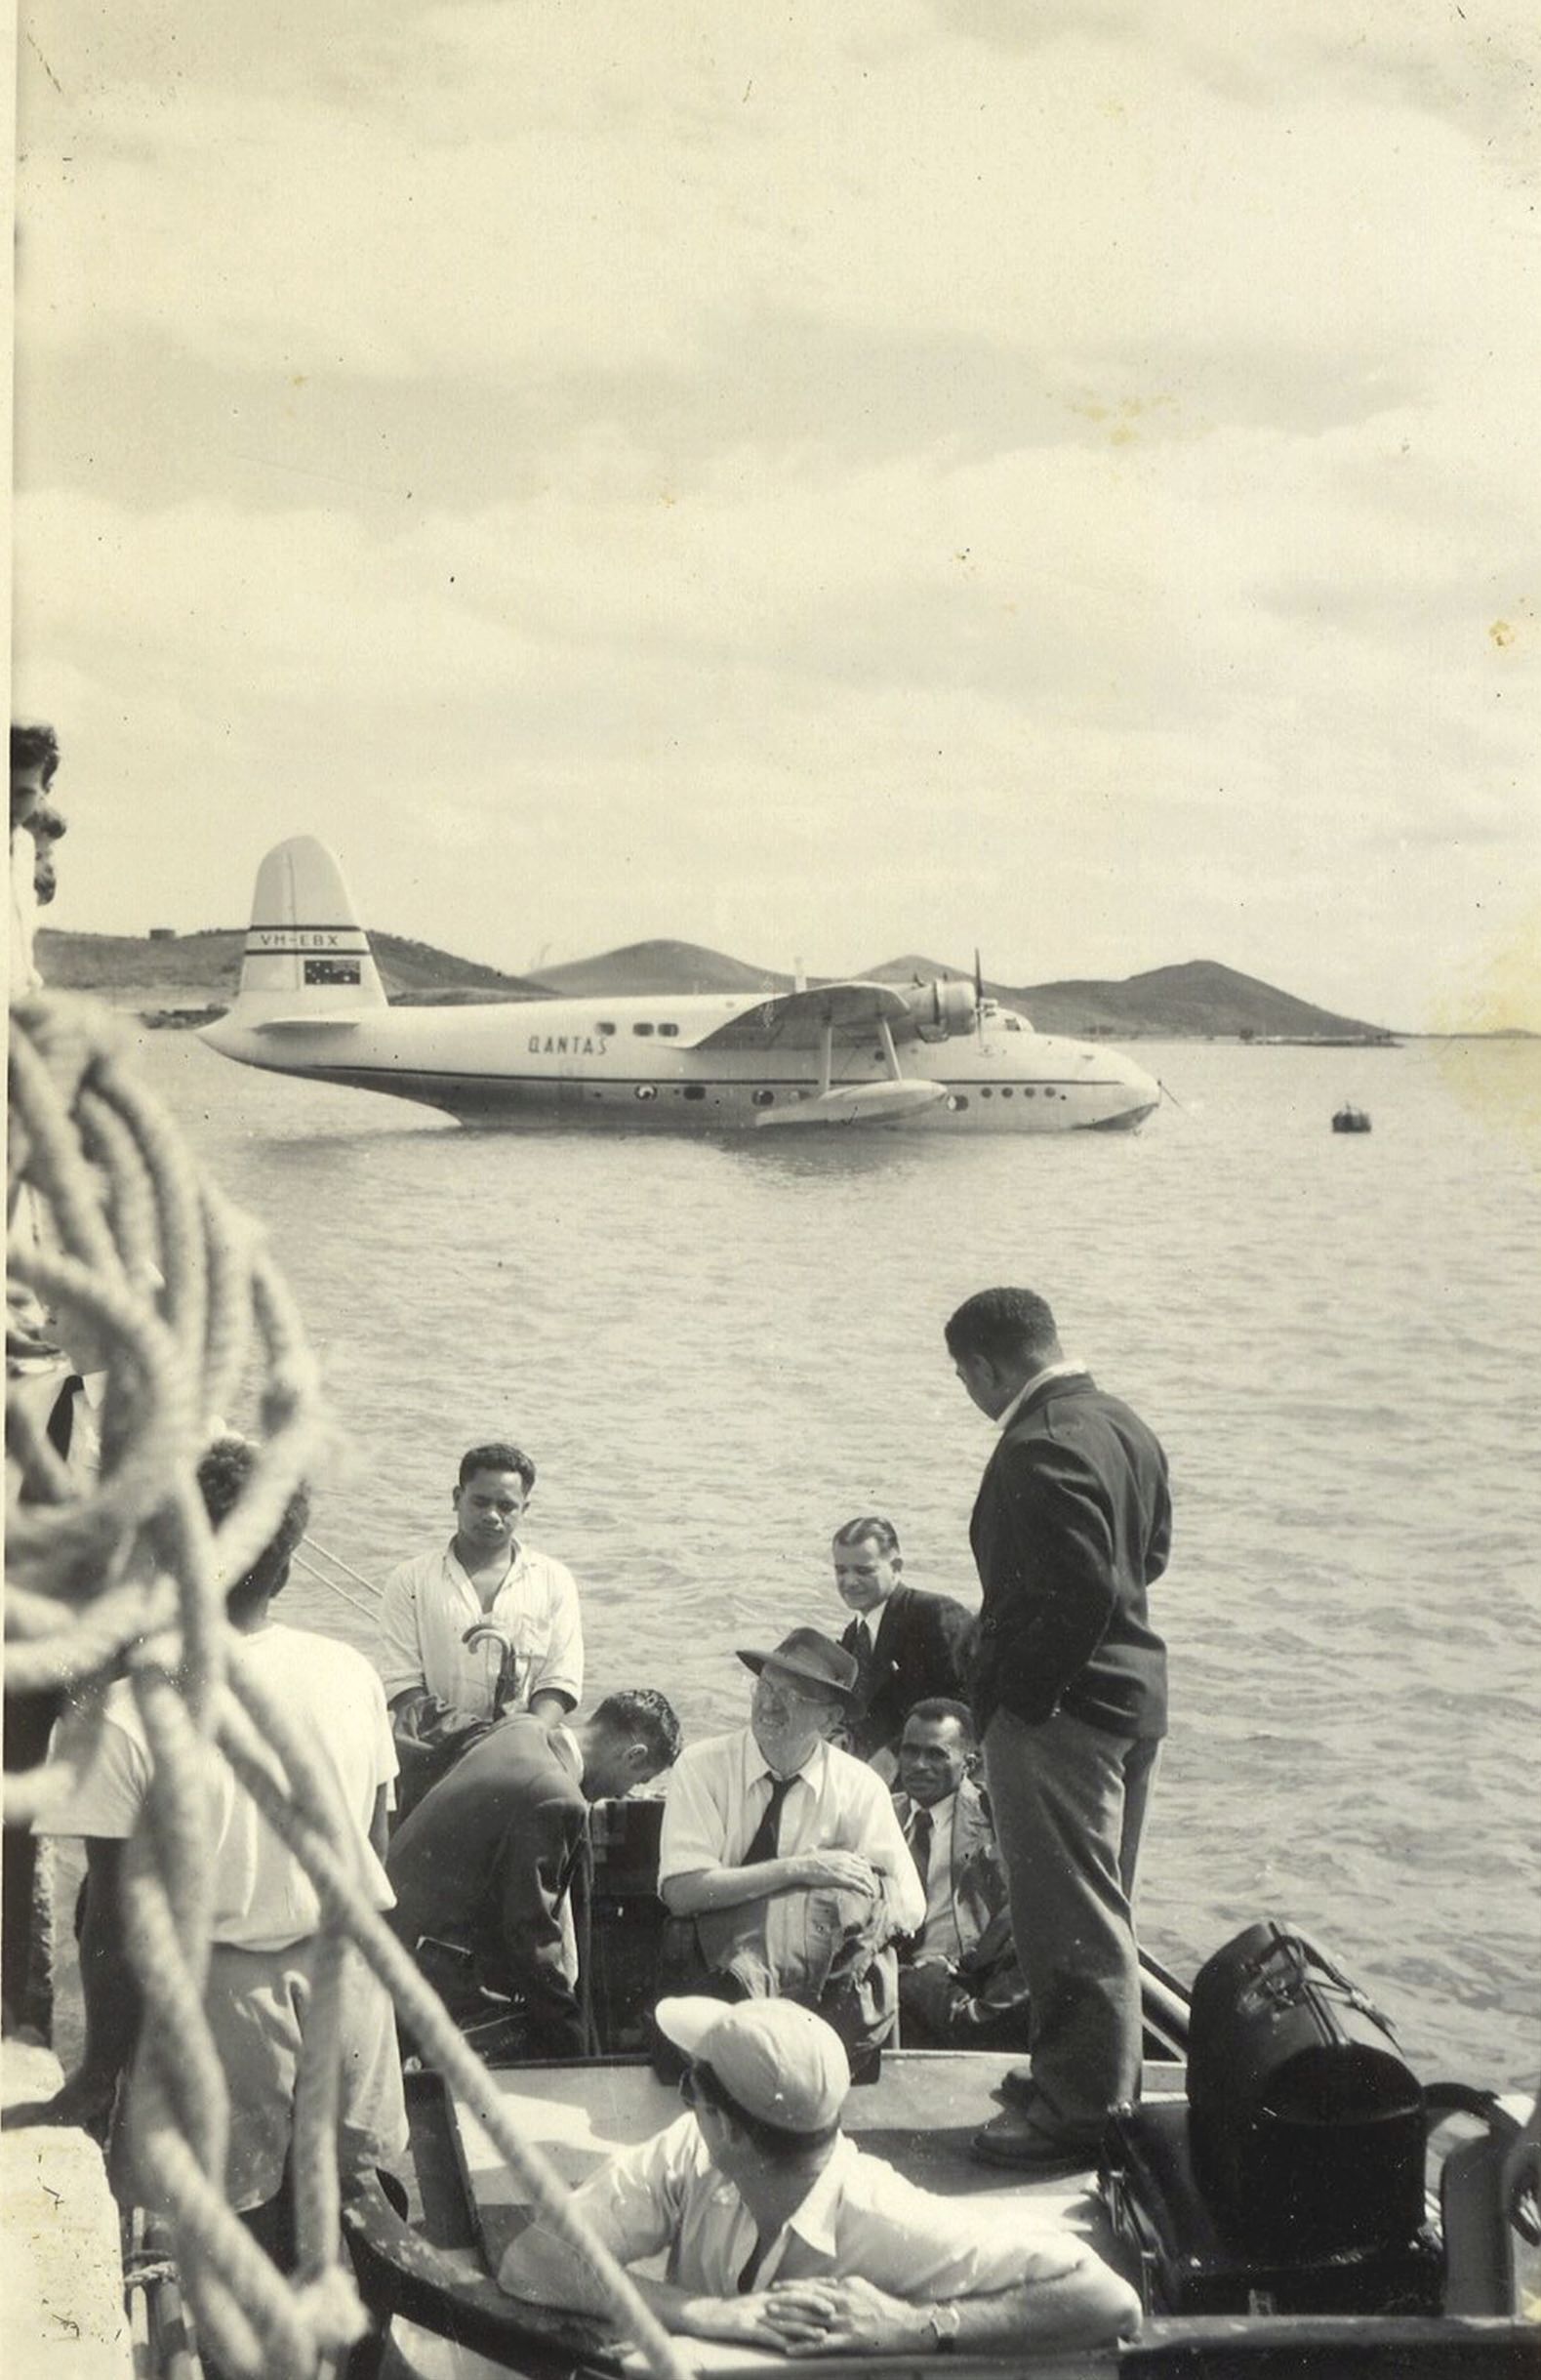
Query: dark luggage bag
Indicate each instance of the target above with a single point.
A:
(1188, 2265)
(1307, 2129)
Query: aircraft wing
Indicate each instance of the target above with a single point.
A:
(796, 1020)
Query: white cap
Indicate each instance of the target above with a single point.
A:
(779, 2062)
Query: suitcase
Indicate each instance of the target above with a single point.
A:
(1308, 2126)
(1189, 2265)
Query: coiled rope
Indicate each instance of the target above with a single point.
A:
(123, 1575)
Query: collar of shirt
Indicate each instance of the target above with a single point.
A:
(93, 1388)
(814, 2220)
(941, 1815)
(757, 1768)
(1067, 1369)
(457, 1570)
(569, 1750)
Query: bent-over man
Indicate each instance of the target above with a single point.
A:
(483, 1865)
(481, 1628)
(1072, 1525)
(907, 1642)
(781, 2233)
(784, 1853)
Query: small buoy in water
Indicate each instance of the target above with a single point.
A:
(1350, 1119)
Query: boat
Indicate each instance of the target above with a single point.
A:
(1351, 1119)
(935, 1056)
(426, 2264)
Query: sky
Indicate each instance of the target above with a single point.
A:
(822, 484)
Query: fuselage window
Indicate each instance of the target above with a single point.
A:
(646, 1091)
(669, 1033)
(764, 1098)
(958, 1101)
(1007, 1093)
(645, 1030)
(987, 1093)
(603, 1028)
(694, 1090)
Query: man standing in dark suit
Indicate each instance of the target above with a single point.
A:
(1072, 1525)
(908, 1645)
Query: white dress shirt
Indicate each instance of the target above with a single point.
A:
(859, 2217)
(427, 1604)
(717, 1792)
(941, 1939)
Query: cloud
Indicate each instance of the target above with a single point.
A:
(804, 485)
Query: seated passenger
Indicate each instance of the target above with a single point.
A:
(784, 1853)
(480, 1627)
(906, 1643)
(781, 2233)
(483, 1865)
(959, 1983)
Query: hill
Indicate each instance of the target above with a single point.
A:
(660, 966)
(130, 970)
(1197, 999)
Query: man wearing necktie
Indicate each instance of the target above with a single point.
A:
(906, 1644)
(960, 1986)
(782, 1853)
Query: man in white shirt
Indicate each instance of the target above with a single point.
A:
(781, 2233)
(266, 1914)
(481, 1628)
(783, 1852)
(960, 1986)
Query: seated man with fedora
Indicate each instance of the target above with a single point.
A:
(782, 1855)
(782, 2233)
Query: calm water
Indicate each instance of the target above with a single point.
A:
(717, 1352)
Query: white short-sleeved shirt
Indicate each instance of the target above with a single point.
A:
(429, 1603)
(717, 1792)
(263, 1898)
(859, 2217)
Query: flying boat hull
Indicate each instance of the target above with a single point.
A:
(922, 1058)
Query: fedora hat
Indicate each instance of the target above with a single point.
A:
(805, 1654)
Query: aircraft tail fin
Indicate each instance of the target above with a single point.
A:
(306, 955)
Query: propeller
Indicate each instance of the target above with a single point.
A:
(979, 995)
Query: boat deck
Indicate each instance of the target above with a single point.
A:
(918, 2114)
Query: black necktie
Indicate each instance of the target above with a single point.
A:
(61, 1428)
(862, 1645)
(764, 1842)
(920, 1844)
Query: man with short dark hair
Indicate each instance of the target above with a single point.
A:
(483, 1627)
(1072, 1525)
(483, 1865)
(959, 1983)
(266, 1918)
(781, 2233)
(908, 1642)
(784, 1853)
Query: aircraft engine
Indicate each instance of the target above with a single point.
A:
(942, 1008)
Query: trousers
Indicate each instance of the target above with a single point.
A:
(1070, 1803)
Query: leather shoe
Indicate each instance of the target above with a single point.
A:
(1007, 2141)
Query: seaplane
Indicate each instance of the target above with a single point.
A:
(934, 1056)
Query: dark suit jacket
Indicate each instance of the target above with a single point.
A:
(922, 1646)
(1073, 1523)
(483, 1862)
